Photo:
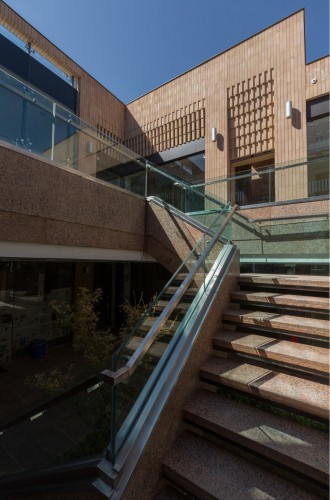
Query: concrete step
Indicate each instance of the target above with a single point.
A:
(169, 328)
(198, 278)
(315, 328)
(182, 276)
(207, 471)
(191, 292)
(279, 299)
(156, 350)
(296, 355)
(303, 450)
(304, 282)
(293, 392)
(181, 308)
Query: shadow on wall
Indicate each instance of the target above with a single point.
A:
(296, 118)
(220, 142)
(135, 138)
(168, 239)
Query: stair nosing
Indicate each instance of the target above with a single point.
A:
(226, 430)
(261, 386)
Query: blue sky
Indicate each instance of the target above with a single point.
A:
(132, 46)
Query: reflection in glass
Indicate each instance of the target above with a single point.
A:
(190, 169)
(318, 151)
(254, 184)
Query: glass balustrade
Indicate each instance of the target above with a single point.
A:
(74, 428)
(32, 121)
(130, 396)
(79, 421)
(295, 180)
(290, 245)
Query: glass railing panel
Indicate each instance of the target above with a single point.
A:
(45, 379)
(213, 219)
(284, 243)
(318, 176)
(119, 167)
(186, 197)
(149, 313)
(77, 427)
(25, 116)
(166, 188)
(131, 397)
(127, 394)
(198, 267)
(250, 188)
(295, 180)
(34, 122)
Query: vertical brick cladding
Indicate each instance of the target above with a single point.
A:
(251, 116)
(272, 61)
(318, 78)
(173, 129)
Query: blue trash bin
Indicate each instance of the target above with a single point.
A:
(38, 349)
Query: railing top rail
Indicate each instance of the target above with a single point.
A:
(267, 170)
(183, 216)
(290, 217)
(173, 277)
(115, 378)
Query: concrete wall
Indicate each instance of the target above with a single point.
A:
(42, 203)
(48, 211)
(168, 239)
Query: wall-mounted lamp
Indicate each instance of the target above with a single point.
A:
(89, 146)
(214, 134)
(288, 109)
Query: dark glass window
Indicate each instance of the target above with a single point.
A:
(254, 184)
(24, 65)
(318, 146)
(190, 169)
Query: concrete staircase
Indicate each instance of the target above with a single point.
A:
(256, 427)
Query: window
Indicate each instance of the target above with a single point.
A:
(254, 183)
(318, 146)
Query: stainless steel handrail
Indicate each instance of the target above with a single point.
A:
(115, 378)
(270, 169)
(187, 220)
(183, 216)
(290, 217)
